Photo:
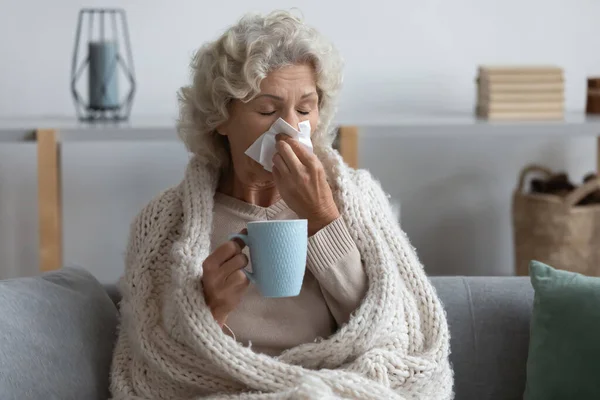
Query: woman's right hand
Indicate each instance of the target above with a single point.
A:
(223, 281)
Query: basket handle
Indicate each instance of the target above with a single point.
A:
(576, 195)
(528, 170)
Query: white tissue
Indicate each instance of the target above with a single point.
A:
(263, 149)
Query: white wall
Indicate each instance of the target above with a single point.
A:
(456, 194)
(400, 56)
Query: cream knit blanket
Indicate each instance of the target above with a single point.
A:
(395, 346)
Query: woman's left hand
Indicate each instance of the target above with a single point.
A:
(301, 181)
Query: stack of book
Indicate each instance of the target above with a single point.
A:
(520, 93)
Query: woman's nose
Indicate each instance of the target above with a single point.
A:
(291, 118)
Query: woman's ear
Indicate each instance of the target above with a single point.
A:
(222, 129)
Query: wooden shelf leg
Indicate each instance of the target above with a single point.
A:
(598, 155)
(49, 200)
(348, 136)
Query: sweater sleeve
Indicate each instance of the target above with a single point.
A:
(335, 261)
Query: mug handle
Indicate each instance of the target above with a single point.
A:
(244, 238)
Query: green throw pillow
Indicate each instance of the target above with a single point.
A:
(564, 348)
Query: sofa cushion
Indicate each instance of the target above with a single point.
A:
(56, 336)
(564, 350)
(489, 334)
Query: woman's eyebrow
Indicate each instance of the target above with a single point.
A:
(271, 96)
(279, 98)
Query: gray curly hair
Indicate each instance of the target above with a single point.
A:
(233, 67)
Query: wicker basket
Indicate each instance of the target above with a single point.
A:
(553, 230)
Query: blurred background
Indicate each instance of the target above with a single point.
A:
(402, 58)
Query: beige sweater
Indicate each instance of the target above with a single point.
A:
(334, 282)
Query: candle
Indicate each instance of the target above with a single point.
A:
(103, 89)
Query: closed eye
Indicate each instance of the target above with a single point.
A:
(266, 113)
(303, 112)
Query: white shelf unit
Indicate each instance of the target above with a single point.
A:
(49, 133)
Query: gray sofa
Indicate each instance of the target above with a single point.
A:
(488, 318)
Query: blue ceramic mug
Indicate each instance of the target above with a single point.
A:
(278, 254)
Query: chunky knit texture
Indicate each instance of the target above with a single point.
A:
(395, 346)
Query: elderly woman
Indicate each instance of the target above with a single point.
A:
(367, 323)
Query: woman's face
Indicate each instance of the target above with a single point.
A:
(289, 93)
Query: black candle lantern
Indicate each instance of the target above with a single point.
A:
(107, 34)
